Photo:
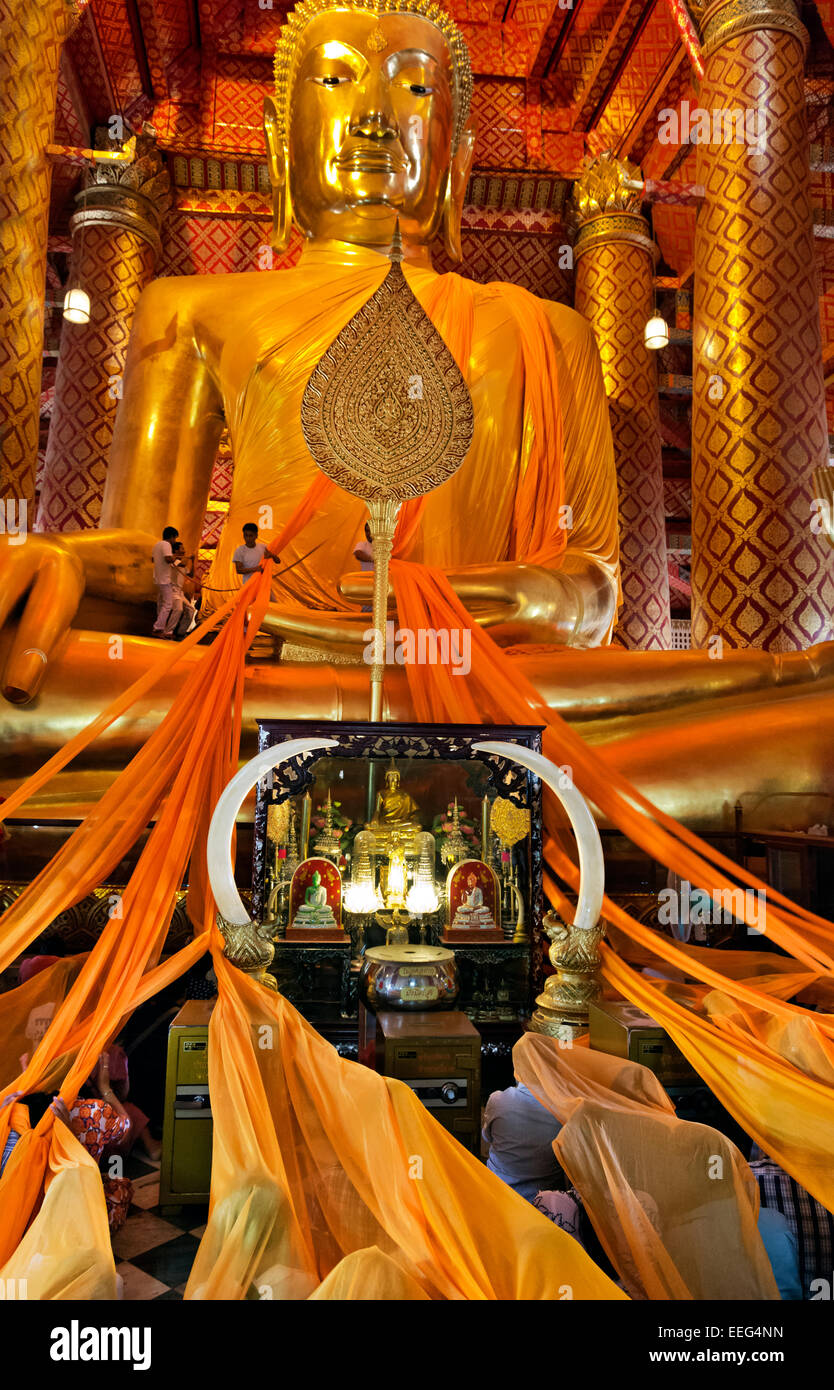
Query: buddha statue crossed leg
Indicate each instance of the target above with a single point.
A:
(369, 124)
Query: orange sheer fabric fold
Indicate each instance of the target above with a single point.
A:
(755, 1097)
(673, 1203)
(368, 1275)
(66, 1252)
(201, 725)
(316, 1159)
(790, 1114)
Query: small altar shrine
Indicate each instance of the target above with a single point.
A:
(401, 833)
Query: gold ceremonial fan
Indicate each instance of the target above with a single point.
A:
(387, 416)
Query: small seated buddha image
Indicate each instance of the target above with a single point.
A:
(472, 911)
(315, 910)
(472, 898)
(315, 897)
(396, 814)
(394, 806)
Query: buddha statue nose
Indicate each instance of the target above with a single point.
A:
(376, 118)
(375, 123)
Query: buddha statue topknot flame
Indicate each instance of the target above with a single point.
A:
(370, 123)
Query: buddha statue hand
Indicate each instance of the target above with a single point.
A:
(51, 574)
(573, 605)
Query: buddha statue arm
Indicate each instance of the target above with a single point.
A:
(170, 418)
(166, 435)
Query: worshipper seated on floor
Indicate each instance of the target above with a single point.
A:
(810, 1224)
(567, 1210)
(520, 1132)
(27, 1114)
(100, 1123)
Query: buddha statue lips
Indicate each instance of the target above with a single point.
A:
(240, 349)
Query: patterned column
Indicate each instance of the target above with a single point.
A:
(115, 235)
(760, 577)
(30, 48)
(615, 259)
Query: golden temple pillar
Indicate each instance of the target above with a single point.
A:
(31, 36)
(115, 236)
(615, 260)
(760, 576)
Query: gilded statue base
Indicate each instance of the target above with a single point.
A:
(249, 947)
(562, 1010)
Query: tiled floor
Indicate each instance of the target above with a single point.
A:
(154, 1253)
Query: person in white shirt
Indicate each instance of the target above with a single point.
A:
(249, 557)
(183, 572)
(167, 607)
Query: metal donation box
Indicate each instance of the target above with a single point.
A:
(185, 1171)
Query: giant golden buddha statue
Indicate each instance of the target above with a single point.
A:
(369, 124)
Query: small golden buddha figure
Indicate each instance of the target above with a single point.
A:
(394, 807)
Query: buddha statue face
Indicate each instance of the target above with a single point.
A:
(392, 779)
(369, 132)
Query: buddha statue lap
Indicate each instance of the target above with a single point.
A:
(370, 123)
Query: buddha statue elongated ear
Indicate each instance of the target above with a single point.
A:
(278, 164)
(456, 185)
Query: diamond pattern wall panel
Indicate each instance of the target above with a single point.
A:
(116, 266)
(589, 36)
(499, 110)
(113, 27)
(83, 48)
(29, 57)
(760, 577)
(650, 55)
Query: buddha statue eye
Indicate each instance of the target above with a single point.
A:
(332, 80)
(418, 90)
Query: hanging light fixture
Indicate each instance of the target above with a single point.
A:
(76, 300)
(77, 306)
(656, 332)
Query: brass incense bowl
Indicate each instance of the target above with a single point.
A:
(408, 977)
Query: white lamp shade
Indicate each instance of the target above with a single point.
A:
(77, 306)
(656, 333)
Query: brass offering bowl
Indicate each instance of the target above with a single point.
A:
(409, 977)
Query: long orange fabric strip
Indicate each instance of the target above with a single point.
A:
(787, 1112)
(113, 973)
(317, 1159)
